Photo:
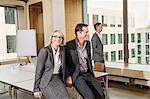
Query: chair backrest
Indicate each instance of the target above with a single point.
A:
(99, 67)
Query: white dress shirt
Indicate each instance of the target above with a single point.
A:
(57, 60)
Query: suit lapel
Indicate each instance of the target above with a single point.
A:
(88, 50)
(51, 54)
(98, 38)
(74, 53)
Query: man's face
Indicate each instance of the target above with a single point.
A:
(99, 28)
(84, 35)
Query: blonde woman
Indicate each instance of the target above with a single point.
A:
(50, 70)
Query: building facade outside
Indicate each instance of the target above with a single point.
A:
(8, 33)
(112, 35)
(143, 45)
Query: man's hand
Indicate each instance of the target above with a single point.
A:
(38, 95)
(69, 81)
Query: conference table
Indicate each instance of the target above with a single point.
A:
(22, 77)
(140, 71)
(14, 74)
(132, 73)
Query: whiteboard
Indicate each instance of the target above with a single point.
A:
(26, 43)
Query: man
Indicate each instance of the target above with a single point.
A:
(97, 47)
(79, 66)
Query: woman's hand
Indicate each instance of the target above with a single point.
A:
(38, 95)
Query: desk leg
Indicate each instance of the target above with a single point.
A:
(13, 93)
(107, 96)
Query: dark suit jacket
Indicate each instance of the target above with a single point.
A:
(45, 67)
(72, 60)
(97, 47)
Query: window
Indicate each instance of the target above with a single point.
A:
(132, 38)
(139, 49)
(119, 38)
(112, 38)
(104, 20)
(88, 19)
(9, 15)
(131, 22)
(147, 60)
(147, 37)
(106, 56)
(120, 55)
(95, 19)
(139, 59)
(112, 21)
(132, 53)
(119, 21)
(113, 56)
(104, 39)
(147, 49)
(11, 44)
(139, 37)
(8, 23)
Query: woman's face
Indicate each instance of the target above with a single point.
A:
(57, 38)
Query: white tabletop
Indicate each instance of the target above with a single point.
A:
(100, 74)
(25, 85)
(12, 76)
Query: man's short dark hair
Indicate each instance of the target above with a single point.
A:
(79, 26)
(97, 24)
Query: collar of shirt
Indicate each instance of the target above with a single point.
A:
(78, 45)
(56, 52)
(99, 35)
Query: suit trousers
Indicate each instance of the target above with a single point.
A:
(56, 89)
(88, 87)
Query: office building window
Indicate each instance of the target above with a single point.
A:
(119, 21)
(95, 19)
(119, 38)
(139, 59)
(131, 22)
(147, 60)
(120, 55)
(139, 37)
(132, 38)
(104, 20)
(147, 49)
(147, 37)
(11, 44)
(113, 56)
(104, 39)
(112, 37)
(88, 19)
(106, 56)
(9, 15)
(112, 21)
(139, 49)
(132, 53)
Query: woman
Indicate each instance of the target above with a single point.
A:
(50, 70)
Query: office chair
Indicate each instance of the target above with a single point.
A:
(100, 67)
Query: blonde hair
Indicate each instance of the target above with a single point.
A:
(58, 32)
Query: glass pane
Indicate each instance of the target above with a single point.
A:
(11, 44)
(7, 33)
(119, 38)
(109, 13)
(139, 29)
